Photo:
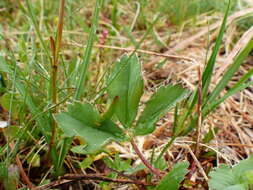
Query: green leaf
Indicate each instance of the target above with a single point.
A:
(43, 120)
(208, 72)
(173, 179)
(111, 110)
(83, 121)
(244, 166)
(232, 178)
(127, 85)
(224, 173)
(165, 99)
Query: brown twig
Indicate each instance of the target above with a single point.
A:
(69, 178)
(169, 56)
(144, 161)
(25, 178)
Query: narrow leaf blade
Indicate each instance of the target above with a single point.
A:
(231, 71)
(208, 72)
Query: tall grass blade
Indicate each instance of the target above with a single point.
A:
(208, 72)
(236, 88)
(230, 72)
(31, 13)
(85, 64)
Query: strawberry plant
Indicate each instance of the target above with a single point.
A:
(120, 122)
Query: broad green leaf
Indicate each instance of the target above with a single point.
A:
(249, 178)
(244, 166)
(237, 187)
(163, 100)
(225, 173)
(84, 113)
(83, 121)
(111, 110)
(127, 85)
(173, 179)
(232, 178)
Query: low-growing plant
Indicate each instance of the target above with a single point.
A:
(125, 90)
(125, 117)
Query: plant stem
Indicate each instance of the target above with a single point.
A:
(144, 160)
(55, 47)
(54, 70)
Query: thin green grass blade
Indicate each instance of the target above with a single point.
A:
(85, 64)
(31, 15)
(208, 72)
(230, 72)
(240, 85)
(66, 145)
(44, 121)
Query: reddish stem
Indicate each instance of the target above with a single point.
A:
(144, 160)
